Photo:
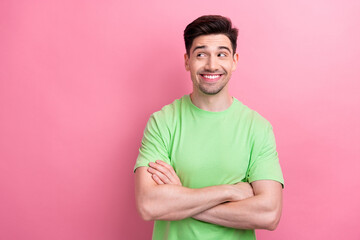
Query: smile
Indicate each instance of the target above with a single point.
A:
(210, 77)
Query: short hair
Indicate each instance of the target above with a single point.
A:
(210, 24)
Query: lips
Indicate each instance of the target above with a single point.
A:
(210, 77)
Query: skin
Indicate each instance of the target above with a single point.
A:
(174, 202)
(211, 55)
(259, 208)
(159, 192)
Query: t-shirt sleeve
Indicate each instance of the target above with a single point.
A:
(153, 146)
(265, 164)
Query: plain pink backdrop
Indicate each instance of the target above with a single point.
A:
(79, 79)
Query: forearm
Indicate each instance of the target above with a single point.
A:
(251, 213)
(174, 202)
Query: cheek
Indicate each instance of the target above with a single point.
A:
(194, 69)
(229, 67)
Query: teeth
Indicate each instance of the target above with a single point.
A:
(211, 76)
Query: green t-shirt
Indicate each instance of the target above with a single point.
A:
(205, 149)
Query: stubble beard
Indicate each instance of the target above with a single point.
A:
(208, 90)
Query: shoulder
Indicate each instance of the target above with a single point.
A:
(168, 115)
(254, 118)
(169, 109)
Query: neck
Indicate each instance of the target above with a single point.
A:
(214, 103)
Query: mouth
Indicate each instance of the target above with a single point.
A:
(210, 77)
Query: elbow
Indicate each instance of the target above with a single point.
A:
(271, 226)
(145, 212)
(146, 216)
(273, 220)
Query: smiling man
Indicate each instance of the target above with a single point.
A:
(207, 166)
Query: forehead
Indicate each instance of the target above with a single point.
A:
(212, 41)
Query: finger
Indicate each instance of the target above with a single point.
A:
(165, 179)
(174, 178)
(171, 170)
(161, 169)
(167, 166)
(160, 175)
(157, 179)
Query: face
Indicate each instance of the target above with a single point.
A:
(211, 62)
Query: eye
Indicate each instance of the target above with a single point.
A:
(200, 55)
(222, 55)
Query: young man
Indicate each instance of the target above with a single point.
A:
(208, 166)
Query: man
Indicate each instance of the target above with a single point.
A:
(208, 166)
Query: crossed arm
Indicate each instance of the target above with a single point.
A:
(160, 196)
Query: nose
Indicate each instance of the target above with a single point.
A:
(211, 64)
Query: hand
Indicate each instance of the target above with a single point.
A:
(163, 173)
(242, 190)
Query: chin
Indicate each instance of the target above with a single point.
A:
(210, 92)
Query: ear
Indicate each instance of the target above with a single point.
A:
(186, 59)
(235, 61)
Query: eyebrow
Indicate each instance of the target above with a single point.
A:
(204, 47)
(223, 47)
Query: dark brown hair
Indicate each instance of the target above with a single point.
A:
(210, 24)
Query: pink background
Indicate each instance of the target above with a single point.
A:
(79, 79)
